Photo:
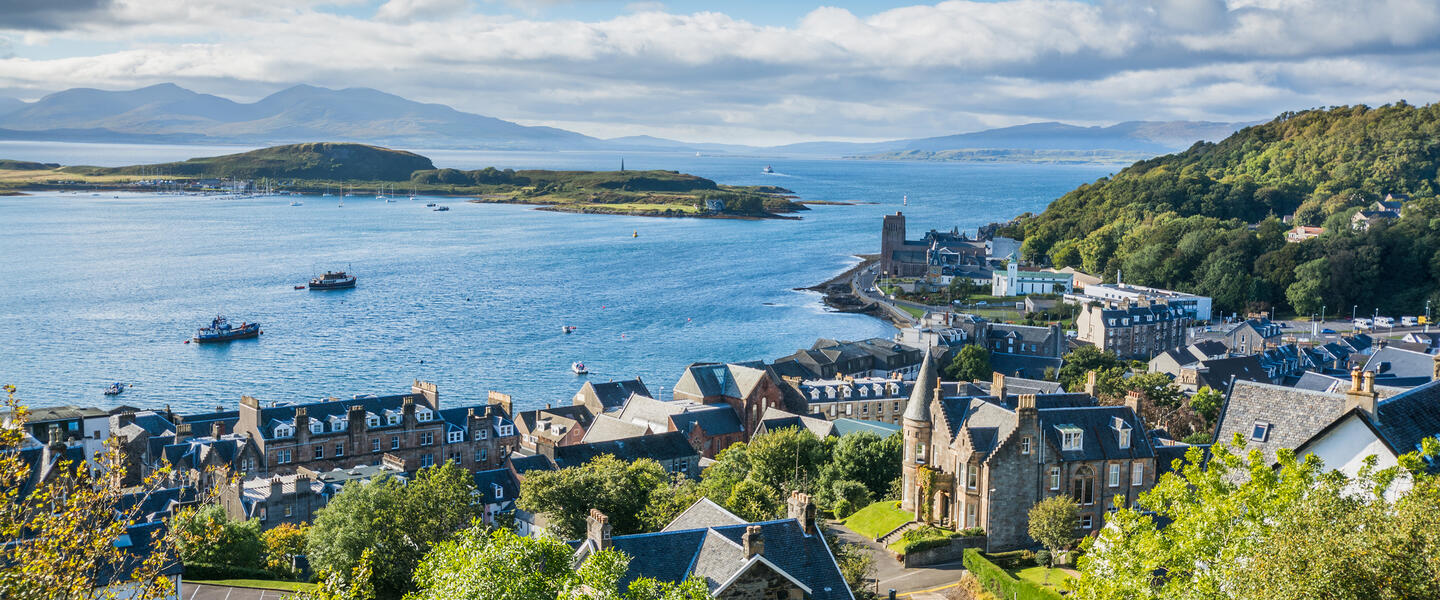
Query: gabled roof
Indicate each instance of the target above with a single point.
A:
(1289, 416)
(1397, 362)
(1100, 439)
(774, 419)
(613, 394)
(671, 445)
(713, 420)
(1023, 365)
(606, 428)
(486, 483)
(703, 514)
(1218, 373)
(1410, 416)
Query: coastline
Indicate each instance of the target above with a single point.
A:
(838, 296)
(601, 209)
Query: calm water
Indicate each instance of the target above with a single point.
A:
(99, 289)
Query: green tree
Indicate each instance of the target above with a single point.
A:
(857, 564)
(867, 458)
(1157, 387)
(1084, 359)
(668, 500)
(396, 521)
(620, 490)
(482, 564)
(1239, 528)
(788, 459)
(1312, 280)
(853, 494)
(753, 501)
(1206, 402)
(971, 363)
(208, 535)
(1053, 521)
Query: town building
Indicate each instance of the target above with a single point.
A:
(555, 426)
(866, 398)
(1249, 336)
(785, 559)
(296, 498)
(85, 427)
(609, 397)
(671, 449)
(900, 257)
(992, 457)
(1014, 281)
(1015, 350)
(1196, 308)
(745, 389)
(497, 491)
(829, 359)
(776, 419)
(1301, 233)
(1397, 367)
(1132, 330)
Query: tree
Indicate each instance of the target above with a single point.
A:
(853, 494)
(1157, 388)
(971, 363)
(668, 500)
(283, 543)
(753, 501)
(1084, 359)
(1207, 402)
(482, 564)
(1053, 521)
(62, 534)
(206, 534)
(857, 564)
(867, 458)
(788, 459)
(620, 490)
(398, 522)
(357, 584)
(1240, 528)
(1312, 280)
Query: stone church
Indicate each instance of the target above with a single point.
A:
(983, 461)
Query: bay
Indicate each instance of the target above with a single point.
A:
(103, 288)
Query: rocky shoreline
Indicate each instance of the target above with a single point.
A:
(837, 294)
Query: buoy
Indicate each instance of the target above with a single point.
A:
(187, 341)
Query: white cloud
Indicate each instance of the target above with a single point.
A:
(914, 70)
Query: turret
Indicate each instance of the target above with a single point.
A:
(916, 427)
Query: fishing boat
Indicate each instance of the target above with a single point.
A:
(333, 280)
(768, 169)
(115, 389)
(441, 208)
(220, 330)
(579, 368)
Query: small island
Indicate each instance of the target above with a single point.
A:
(315, 168)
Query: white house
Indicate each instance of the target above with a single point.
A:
(1014, 282)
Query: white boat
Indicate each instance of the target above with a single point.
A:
(296, 203)
(579, 368)
(768, 169)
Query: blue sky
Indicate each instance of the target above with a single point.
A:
(752, 71)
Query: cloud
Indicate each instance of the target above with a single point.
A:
(907, 71)
(49, 14)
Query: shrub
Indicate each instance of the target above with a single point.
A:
(972, 532)
(1001, 583)
(842, 508)
(1042, 558)
(1011, 560)
(206, 571)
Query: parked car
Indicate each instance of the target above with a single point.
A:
(1327, 331)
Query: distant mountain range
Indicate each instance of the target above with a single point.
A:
(168, 113)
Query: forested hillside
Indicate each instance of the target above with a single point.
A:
(1207, 220)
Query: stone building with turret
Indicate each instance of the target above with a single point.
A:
(984, 460)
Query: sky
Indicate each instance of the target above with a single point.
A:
(752, 71)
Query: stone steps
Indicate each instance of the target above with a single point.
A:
(897, 532)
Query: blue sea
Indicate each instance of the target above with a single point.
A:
(105, 288)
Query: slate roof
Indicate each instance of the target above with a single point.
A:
(918, 408)
(1317, 382)
(1206, 348)
(1218, 373)
(713, 420)
(1167, 454)
(525, 464)
(844, 427)
(485, 482)
(671, 445)
(1101, 441)
(1410, 416)
(774, 419)
(47, 414)
(613, 394)
(1397, 362)
(1023, 365)
(1293, 415)
(606, 428)
(715, 554)
(703, 514)
(655, 414)
(1022, 385)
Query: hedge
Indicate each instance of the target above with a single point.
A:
(199, 570)
(995, 579)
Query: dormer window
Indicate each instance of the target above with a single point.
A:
(815, 394)
(372, 421)
(1122, 431)
(284, 431)
(317, 427)
(845, 392)
(1260, 432)
(1072, 438)
(423, 415)
(392, 419)
(864, 392)
(499, 491)
(456, 437)
(339, 424)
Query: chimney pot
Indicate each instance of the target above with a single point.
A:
(753, 541)
(597, 529)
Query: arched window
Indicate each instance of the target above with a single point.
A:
(1082, 486)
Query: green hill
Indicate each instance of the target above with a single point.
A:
(1206, 220)
(317, 161)
(21, 165)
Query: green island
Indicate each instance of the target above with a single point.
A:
(1209, 220)
(315, 168)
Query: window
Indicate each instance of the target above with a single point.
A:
(1114, 475)
(427, 439)
(1086, 522)
(1137, 474)
(319, 451)
(394, 442)
(684, 466)
(1124, 438)
(428, 460)
(317, 427)
(920, 452)
(1054, 478)
(372, 421)
(339, 449)
(262, 513)
(374, 444)
(483, 434)
(970, 514)
(392, 419)
(282, 456)
(1260, 432)
(423, 415)
(499, 491)
(481, 455)
(283, 431)
(1072, 438)
(1082, 487)
(457, 437)
(507, 430)
(340, 425)
(1025, 445)
(289, 511)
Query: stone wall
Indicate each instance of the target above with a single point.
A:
(954, 552)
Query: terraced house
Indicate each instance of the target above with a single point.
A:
(412, 428)
(991, 457)
(1133, 330)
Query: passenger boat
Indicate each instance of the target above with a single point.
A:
(115, 389)
(220, 330)
(579, 368)
(333, 280)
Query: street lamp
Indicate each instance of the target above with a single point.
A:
(1352, 312)
(1427, 316)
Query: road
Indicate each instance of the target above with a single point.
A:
(892, 575)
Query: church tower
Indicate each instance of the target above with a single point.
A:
(916, 427)
(892, 238)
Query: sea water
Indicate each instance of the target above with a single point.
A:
(96, 289)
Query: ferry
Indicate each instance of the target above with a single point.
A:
(579, 368)
(333, 280)
(220, 330)
(767, 169)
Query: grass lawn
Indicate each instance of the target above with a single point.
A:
(914, 312)
(284, 586)
(878, 519)
(1037, 575)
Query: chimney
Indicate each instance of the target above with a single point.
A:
(1025, 408)
(182, 432)
(302, 424)
(597, 530)
(407, 408)
(545, 446)
(1091, 382)
(249, 416)
(503, 400)
(803, 510)
(217, 429)
(753, 541)
(355, 419)
(427, 392)
(1133, 398)
(1362, 395)
(277, 488)
(997, 385)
